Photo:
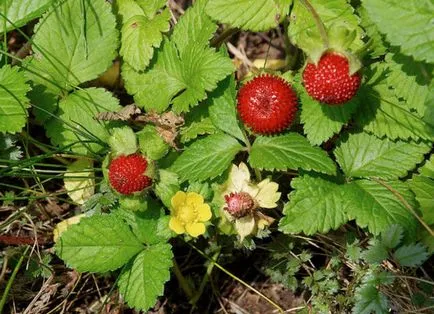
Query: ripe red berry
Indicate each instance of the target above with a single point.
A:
(330, 81)
(267, 104)
(127, 174)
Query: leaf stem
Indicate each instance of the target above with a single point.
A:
(185, 286)
(405, 203)
(318, 22)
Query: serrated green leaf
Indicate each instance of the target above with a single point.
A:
(377, 47)
(289, 151)
(19, 12)
(222, 108)
(392, 237)
(320, 121)
(151, 143)
(382, 114)
(74, 42)
(364, 155)
(150, 7)
(123, 141)
(411, 255)
(376, 207)
(423, 188)
(126, 9)
(142, 281)
(76, 125)
(254, 15)
(370, 300)
(98, 244)
(140, 35)
(13, 100)
(206, 158)
(427, 170)
(167, 185)
(411, 34)
(194, 26)
(197, 122)
(316, 205)
(376, 253)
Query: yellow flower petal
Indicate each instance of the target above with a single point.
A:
(194, 199)
(267, 196)
(195, 229)
(178, 199)
(238, 178)
(245, 226)
(203, 212)
(176, 225)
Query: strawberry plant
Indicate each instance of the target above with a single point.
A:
(168, 139)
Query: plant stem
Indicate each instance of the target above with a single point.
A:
(318, 22)
(185, 286)
(216, 42)
(11, 279)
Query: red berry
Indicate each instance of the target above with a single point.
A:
(330, 81)
(239, 204)
(267, 104)
(127, 174)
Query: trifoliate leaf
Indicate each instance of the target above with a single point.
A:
(140, 35)
(289, 151)
(74, 42)
(194, 26)
(392, 237)
(123, 141)
(320, 121)
(75, 124)
(206, 158)
(411, 255)
(376, 253)
(408, 80)
(142, 280)
(151, 143)
(167, 186)
(411, 34)
(376, 207)
(222, 108)
(254, 15)
(316, 205)
(16, 13)
(14, 103)
(9, 150)
(79, 180)
(370, 300)
(364, 155)
(423, 188)
(98, 244)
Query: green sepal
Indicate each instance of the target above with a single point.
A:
(151, 143)
(122, 141)
(135, 202)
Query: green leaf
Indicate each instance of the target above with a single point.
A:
(428, 169)
(382, 114)
(377, 47)
(376, 253)
(392, 237)
(20, 12)
(370, 300)
(151, 143)
(364, 155)
(411, 33)
(123, 141)
(168, 184)
(316, 205)
(140, 35)
(9, 150)
(194, 26)
(376, 207)
(411, 255)
(98, 244)
(75, 124)
(74, 43)
(14, 103)
(408, 80)
(320, 121)
(197, 122)
(423, 188)
(254, 15)
(150, 7)
(289, 151)
(142, 281)
(206, 158)
(222, 108)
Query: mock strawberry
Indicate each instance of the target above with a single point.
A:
(267, 104)
(127, 173)
(330, 81)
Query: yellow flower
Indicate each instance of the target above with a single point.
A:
(243, 199)
(189, 212)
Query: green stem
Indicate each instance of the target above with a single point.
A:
(216, 42)
(185, 286)
(11, 279)
(318, 22)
